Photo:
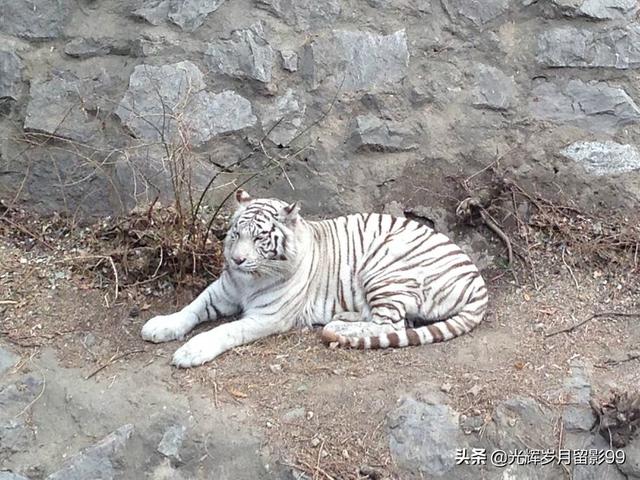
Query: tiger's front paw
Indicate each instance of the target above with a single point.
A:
(165, 328)
(200, 349)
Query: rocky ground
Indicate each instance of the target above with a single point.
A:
(83, 396)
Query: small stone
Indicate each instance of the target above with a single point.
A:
(315, 441)
(538, 327)
(309, 415)
(269, 424)
(171, 442)
(275, 368)
(471, 424)
(475, 390)
(373, 134)
(345, 454)
(289, 60)
(604, 158)
(446, 387)
(86, 48)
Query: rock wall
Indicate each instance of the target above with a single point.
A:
(346, 105)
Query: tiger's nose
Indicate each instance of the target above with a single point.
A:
(238, 260)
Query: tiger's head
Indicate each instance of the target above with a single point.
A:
(261, 237)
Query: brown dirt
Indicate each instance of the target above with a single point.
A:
(344, 394)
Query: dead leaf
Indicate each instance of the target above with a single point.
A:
(236, 393)
(519, 364)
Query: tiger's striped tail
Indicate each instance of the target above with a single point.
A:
(462, 322)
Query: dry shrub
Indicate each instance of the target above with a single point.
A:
(618, 417)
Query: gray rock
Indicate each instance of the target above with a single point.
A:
(59, 106)
(245, 55)
(595, 106)
(15, 436)
(96, 461)
(631, 466)
(165, 101)
(7, 360)
(304, 14)
(479, 12)
(10, 74)
(289, 60)
(191, 14)
(153, 11)
(170, 102)
(604, 158)
(15, 396)
(214, 114)
(4, 475)
(617, 47)
(356, 60)
(493, 89)
(283, 119)
(597, 9)
(90, 47)
(86, 48)
(374, 134)
(424, 437)
(578, 418)
(583, 442)
(171, 442)
(36, 20)
(578, 385)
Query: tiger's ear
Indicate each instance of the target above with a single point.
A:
(243, 198)
(289, 214)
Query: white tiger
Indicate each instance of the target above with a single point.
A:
(374, 281)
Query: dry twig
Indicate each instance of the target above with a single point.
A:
(588, 319)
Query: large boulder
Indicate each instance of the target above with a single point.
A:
(568, 46)
(35, 20)
(595, 106)
(356, 60)
(169, 103)
(245, 55)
